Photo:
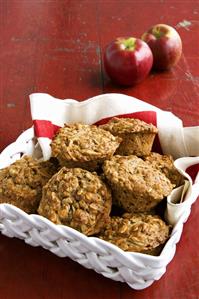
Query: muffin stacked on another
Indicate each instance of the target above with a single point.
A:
(21, 183)
(137, 232)
(136, 186)
(77, 198)
(137, 136)
(84, 146)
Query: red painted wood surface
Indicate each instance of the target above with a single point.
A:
(56, 46)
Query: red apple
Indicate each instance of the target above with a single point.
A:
(128, 61)
(165, 44)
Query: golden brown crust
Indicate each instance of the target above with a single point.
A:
(21, 183)
(137, 136)
(84, 146)
(138, 144)
(136, 185)
(142, 233)
(165, 164)
(77, 198)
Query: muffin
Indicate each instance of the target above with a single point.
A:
(165, 164)
(136, 185)
(142, 233)
(21, 183)
(83, 146)
(137, 136)
(77, 198)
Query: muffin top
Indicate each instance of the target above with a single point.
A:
(158, 160)
(165, 163)
(77, 198)
(78, 142)
(135, 175)
(21, 183)
(136, 232)
(118, 126)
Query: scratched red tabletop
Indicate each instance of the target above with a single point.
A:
(56, 47)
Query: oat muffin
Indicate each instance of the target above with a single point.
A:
(165, 164)
(136, 185)
(142, 233)
(77, 198)
(84, 146)
(21, 183)
(137, 136)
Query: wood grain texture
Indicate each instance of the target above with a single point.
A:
(57, 46)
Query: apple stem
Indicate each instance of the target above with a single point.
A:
(157, 32)
(129, 43)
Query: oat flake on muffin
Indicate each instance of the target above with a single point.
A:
(165, 164)
(142, 233)
(77, 198)
(136, 185)
(21, 183)
(84, 146)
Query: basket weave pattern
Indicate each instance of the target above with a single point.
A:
(137, 270)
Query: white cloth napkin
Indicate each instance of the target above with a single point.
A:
(174, 139)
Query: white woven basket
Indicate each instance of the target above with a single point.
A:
(137, 270)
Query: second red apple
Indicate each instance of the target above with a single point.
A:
(165, 44)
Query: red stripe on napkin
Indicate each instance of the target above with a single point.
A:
(193, 171)
(44, 128)
(147, 116)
